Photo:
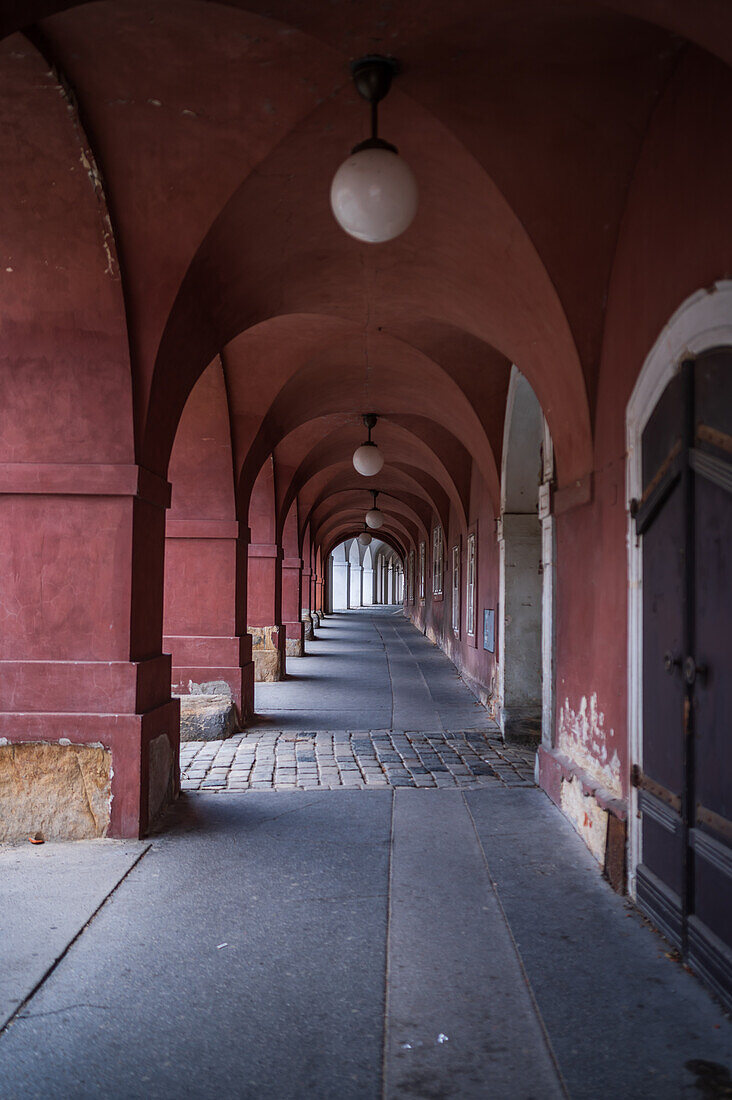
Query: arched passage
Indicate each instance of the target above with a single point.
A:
(559, 227)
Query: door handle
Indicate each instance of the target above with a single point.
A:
(670, 662)
(692, 670)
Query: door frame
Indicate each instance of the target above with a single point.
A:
(702, 322)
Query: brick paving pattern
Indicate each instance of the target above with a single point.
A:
(271, 759)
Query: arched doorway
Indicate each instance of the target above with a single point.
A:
(680, 478)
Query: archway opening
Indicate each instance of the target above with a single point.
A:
(525, 553)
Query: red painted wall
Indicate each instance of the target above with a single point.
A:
(676, 237)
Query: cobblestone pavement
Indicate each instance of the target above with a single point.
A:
(272, 759)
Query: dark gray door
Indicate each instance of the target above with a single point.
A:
(685, 517)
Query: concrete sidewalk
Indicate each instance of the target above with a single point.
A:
(398, 943)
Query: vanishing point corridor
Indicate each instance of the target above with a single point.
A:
(444, 934)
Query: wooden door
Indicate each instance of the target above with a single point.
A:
(685, 785)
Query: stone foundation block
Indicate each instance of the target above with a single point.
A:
(268, 653)
(267, 666)
(161, 784)
(294, 648)
(208, 716)
(61, 791)
(522, 724)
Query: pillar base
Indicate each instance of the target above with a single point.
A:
(202, 661)
(76, 776)
(268, 653)
(294, 639)
(522, 724)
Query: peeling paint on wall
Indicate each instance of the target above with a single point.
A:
(582, 736)
(91, 168)
(588, 818)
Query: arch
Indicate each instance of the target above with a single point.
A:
(65, 353)
(349, 531)
(310, 382)
(439, 476)
(525, 322)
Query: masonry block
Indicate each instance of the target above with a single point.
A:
(59, 791)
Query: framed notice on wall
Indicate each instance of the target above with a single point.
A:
(489, 629)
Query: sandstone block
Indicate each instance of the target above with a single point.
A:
(267, 665)
(61, 791)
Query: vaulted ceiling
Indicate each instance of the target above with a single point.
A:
(210, 133)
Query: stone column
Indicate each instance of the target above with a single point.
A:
(291, 607)
(208, 640)
(319, 589)
(305, 610)
(91, 732)
(368, 587)
(520, 625)
(264, 611)
(341, 585)
(356, 586)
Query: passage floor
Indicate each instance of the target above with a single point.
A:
(394, 942)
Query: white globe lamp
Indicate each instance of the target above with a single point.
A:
(364, 538)
(368, 459)
(374, 193)
(374, 516)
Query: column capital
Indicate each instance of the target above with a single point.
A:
(204, 529)
(87, 479)
(265, 550)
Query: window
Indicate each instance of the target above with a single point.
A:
(422, 569)
(470, 588)
(456, 590)
(437, 561)
(410, 577)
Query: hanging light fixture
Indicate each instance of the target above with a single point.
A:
(374, 516)
(364, 538)
(374, 192)
(367, 458)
